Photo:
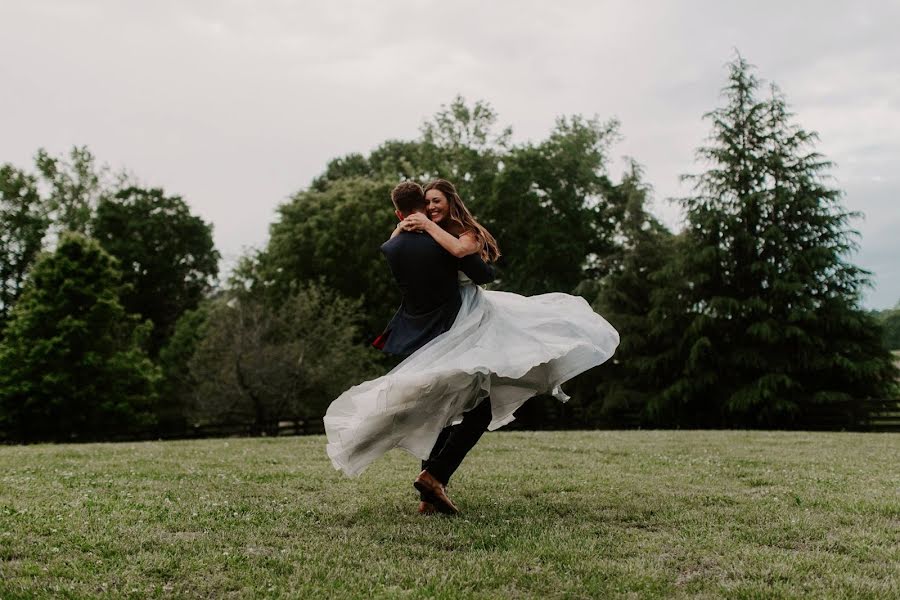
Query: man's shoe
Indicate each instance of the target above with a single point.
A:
(433, 491)
(426, 508)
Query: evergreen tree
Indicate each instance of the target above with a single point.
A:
(71, 364)
(775, 335)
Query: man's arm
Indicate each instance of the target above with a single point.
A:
(476, 269)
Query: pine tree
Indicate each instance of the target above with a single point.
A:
(71, 364)
(775, 335)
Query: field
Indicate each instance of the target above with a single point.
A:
(545, 515)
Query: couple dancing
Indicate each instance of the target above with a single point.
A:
(473, 356)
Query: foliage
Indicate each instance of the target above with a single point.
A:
(177, 386)
(75, 187)
(71, 364)
(551, 211)
(749, 317)
(890, 322)
(624, 386)
(334, 236)
(460, 142)
(774, 332)
(166, 254)
(545, 203)
(260, 363)
(23, 223)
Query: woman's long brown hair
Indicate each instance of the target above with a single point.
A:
(460, 215)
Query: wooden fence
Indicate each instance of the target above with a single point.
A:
(871, 415)
(884, 416)
(214, 430)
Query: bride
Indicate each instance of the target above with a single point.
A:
(502, 347)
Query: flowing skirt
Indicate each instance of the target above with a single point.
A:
(502, 345)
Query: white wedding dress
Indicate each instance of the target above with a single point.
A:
(502, 345)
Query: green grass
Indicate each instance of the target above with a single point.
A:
(546, 515)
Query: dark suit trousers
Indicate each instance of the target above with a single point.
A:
(455, 441)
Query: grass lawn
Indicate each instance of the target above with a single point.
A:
(546, 515)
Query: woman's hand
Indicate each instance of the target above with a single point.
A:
(464, 245)
(416, 222)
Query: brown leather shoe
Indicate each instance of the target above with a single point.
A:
(433, 491)
(426, 508)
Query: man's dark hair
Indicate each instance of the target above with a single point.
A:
(408, 197)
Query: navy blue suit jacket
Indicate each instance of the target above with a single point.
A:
(428, 279)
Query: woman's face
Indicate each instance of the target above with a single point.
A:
(438, 207)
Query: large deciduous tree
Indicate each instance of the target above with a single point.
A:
(166, 254)
(258, 363)
(71, 364)
(334, 236)
(550, 208)
(546, 203)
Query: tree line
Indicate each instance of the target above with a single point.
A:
(114, 319)
(890, 321)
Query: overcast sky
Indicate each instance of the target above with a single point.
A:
(235, 105)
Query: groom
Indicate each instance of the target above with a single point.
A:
(427, 277)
